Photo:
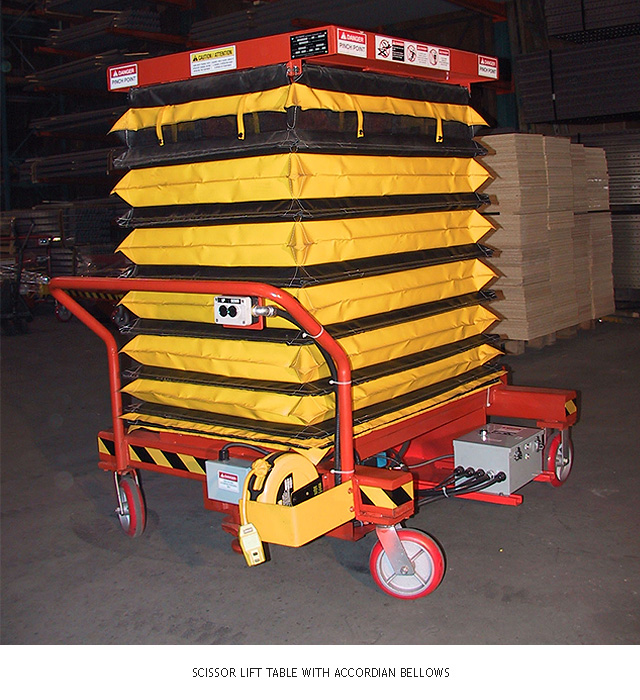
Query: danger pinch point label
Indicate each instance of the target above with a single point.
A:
(123, 76)
(352, 43)
(488, 67)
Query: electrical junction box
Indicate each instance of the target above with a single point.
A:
(225, 480)
(516, 451)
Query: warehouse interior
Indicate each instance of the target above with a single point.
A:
(562, 142)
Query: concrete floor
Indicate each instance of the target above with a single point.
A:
(563, 568)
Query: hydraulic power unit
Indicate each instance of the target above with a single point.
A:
(512, 451)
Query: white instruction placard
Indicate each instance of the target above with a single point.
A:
(412, 53)
(432, 57)
(213, 60)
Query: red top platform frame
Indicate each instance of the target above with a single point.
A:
(327, 45)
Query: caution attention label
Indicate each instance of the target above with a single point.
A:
(213, 60)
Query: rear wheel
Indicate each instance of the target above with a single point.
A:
(132, 511)
(426, 558)
(559, 459)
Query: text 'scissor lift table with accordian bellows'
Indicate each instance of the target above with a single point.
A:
(304, 329)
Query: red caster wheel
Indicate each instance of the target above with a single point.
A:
(426, 559)
(62, 313)
(131, 511)
(558, 463)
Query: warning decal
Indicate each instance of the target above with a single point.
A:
(412, 53)
(488, 67)
(433, 57)
(123, 76)
(352, 43)
(228, 482)
(213, 60)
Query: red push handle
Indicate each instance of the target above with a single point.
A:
(60, 285)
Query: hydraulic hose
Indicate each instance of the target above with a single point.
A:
(429, 461)
(334, 379)
(457, 472)
(478, 483)
(223, 453)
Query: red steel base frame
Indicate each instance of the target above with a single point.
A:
(427, 436)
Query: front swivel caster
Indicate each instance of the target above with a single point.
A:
(406, 563)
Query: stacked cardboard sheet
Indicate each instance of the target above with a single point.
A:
(559, 170)
(518, 164)
(582, 265)
(601, 264)
(562, 270)
(524, 265)
(580, 179)
(554, 253)
(597, 179)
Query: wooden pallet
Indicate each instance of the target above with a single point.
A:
(518, 347)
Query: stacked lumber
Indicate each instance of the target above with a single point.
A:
(549, 202)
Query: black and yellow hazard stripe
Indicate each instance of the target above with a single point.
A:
(106, 448)
(387, 499)
(157, 457)
(100, 296)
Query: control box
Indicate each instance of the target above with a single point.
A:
(225, 479)
(516, 451)
(233, 311)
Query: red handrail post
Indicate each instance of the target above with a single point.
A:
(120, 445)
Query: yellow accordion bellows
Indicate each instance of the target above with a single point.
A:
(396, 277)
